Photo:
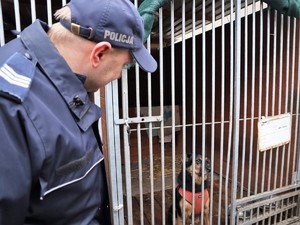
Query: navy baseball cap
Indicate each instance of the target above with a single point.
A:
(115, 21)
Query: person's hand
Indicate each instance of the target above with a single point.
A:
(286, 7)
(147, 10)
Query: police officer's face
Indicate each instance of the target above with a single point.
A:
(109, 68)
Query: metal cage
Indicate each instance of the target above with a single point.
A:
(227, 87)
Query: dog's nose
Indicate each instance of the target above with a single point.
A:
(198, 161)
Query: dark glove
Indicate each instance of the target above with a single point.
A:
(286, 7)
(147, 10)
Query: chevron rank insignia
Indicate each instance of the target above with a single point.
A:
(16, 75)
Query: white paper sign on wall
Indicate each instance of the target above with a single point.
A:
(274, 131)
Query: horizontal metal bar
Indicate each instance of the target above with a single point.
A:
(159, 119)
(266, 194)
(263, 202)
(268, 215)
(139, 120)
(290, 221)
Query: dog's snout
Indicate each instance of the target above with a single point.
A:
(198, 161)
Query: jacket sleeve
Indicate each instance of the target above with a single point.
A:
(147, 10)
(286, 7)
(15, 166)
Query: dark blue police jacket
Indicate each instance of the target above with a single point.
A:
(51, 165)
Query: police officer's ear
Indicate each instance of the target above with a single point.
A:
(99, 52)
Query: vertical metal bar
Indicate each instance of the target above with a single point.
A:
(274, 64)
(172, 74)
(280, 64)
(279, 112)
(97, 97)
(115, 185)
(17, 15)
(231, 97)
(183, 109)
(260, 90)
(33, 10)
(264, 169)
(203, 100)
(2, 38)
(259, 96)
(292, 100)
(298, 205)
(150, 141)
(162, 146)
(117, 147)
(173, 102)
(273, 99)
(297, 160)
(273, 102)
(252, 96)
(194, 113)
(213, 104)
(139, 144)
(297, 138)
(236, 109)
(126, 147)
(245, 98)
(267, 97)
(280, 93)
(287, 100)
(49, 12)
(139, 147)
(222, 112)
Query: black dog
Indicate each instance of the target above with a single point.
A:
(199, 170)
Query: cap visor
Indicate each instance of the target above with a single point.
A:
(144, 59)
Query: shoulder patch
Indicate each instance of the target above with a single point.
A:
(16, 75)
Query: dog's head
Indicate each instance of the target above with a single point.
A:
(202, 166)
(199, 174)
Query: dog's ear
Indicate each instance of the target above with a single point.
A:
(188, 159)
(188, 156)
(207, 164)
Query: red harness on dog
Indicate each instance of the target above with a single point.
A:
(197, 197)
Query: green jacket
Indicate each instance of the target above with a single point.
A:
(286, 7)
(147, 10)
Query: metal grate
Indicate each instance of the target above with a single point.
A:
(281, 208)
(223, 67)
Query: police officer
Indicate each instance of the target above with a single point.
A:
(51, 162)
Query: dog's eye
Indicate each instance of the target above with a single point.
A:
(198, 161)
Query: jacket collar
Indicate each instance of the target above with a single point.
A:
(53, 65)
